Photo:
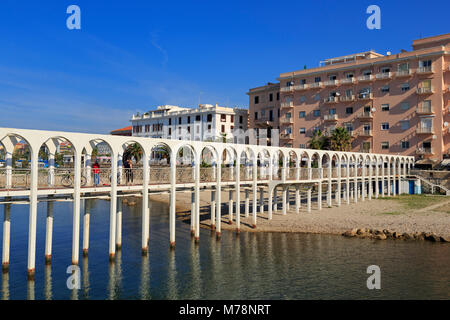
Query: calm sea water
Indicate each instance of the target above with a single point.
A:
(250, 266)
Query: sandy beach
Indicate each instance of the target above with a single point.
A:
(376, 214)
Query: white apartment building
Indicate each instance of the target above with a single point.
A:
(206, 123)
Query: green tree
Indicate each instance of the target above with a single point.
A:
(133, 151)
(340, 140)
(319, 141)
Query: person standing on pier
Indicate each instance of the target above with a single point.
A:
(96, 172)
(130, 177)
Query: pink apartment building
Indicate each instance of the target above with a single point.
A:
(393, 103)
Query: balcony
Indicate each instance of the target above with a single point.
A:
(424, 130)
(287, 121)
(366, 115)
(348, 98)
(330, 117)
(348, 80)
(264, 122)
(424, 110)
(365, 96)
(384, 75)
(286, 136)
(301, 87)
(425, 70)
(331, 83)
(286, 105)
(287, 89)
(316, 85)
(424, 151)
(403, 73)
(425, 90)
(331, 100)
(365, 78)
(365, 133)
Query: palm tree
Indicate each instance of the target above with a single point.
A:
(133, 150)
(340, 139)
(318, 141)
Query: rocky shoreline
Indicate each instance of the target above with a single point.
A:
(386, 234)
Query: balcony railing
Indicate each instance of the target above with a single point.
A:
(331, 83)
(403, 73)
(425, 70)
(365, 133)
(301, 87)
(365, 78)
(365, 115)
(287, 104)
(287, 136)
(424, 151)
(348, 98)
(365, 96)
(424, 110)
(331, 100)
(348, 80)
(315, 85)
(285, 120)
(287, 89)
(384, 75)
(330, 117)
(424, 90)
(424, 130)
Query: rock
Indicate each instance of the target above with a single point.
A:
(407, 236)
(354, 231)
(419, 236)
(432, 237)
(361, 232)
(445, 239)
(378, 232)
(348, 234)
(397, 235)
(381, 236)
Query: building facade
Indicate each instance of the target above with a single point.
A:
(393, 103)
(206, 123)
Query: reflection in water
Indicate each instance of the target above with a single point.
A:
(85, 277)
(5, 286)
(30, 290)
(48, 282)
(248, 266)
(172, 286)
(144, 289)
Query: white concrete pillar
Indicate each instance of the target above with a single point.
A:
(287, 199)
(254, 193)
(113, 204)
(33, 213)
(197, 197)
(219, 199)
(319, 195)
(389, 179)
(275, 199)
(9, 172)
(51, 169)
(308, 199)
(172, 213)
(193, 213)
(247, 202)
(347, 187)
(363, 181)
(370, 192)
(330, 185)
(298, 202)
(230, 207)
(119, 224)
(86, 222)
(6, 236)
(238, 195)
(270, 205)
(284, 200)
(213, 210)
(376, 179)
(261, 200)
(88, 172)
(339, 189)
(49, 232)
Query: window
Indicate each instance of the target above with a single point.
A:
(385, 89)
(170, 131)
(385, 69)
(405, 105)
(256, 99)
(179, 120)
(405, 87)
(316, 113)
(223, 128)
(209, 128)
(425, 63)
(348, 126)
(270, 116)
(317, 97)
(189, 129)
(223, 117)
(317, 79)
(241, 119)
(404, 124)
(302, 114)
(385, 126)
(303, 81)
(367, 72)
(349, 75)
(232, 118)
(302, 130)
(403, 66)
(405, 144)
(278, 96)
(197, 118)
(385, 145)
(349, 93)
(302, 98)
(385, 107)
(170, 121)
(332, 111)
(270, 96)
(256, 115)
(349, 110)
(288, 115)
(302, 145)
(332, 77)
(209, 118)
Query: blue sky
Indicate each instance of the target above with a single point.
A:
(133, 55)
